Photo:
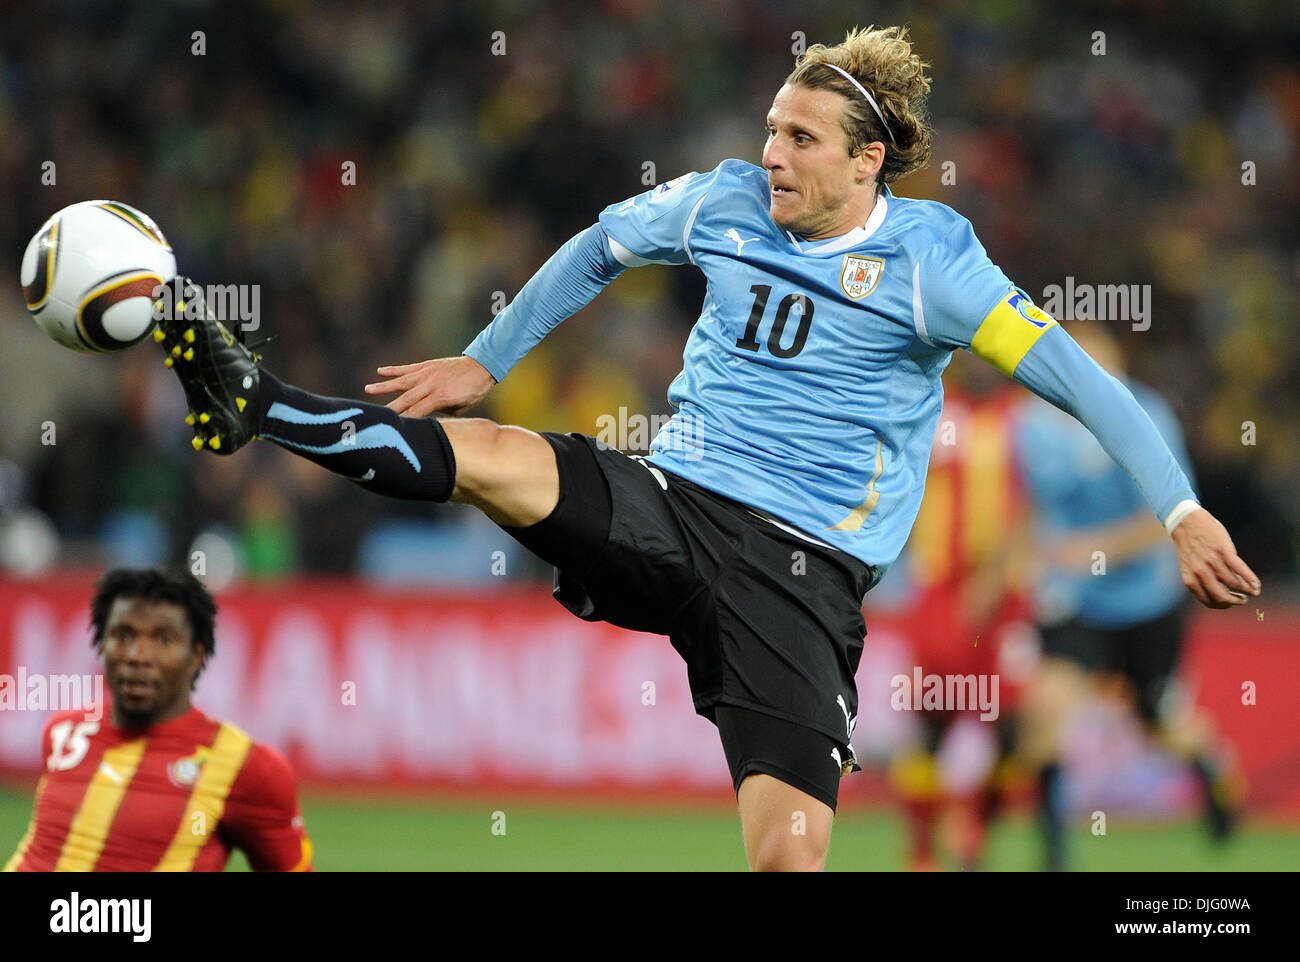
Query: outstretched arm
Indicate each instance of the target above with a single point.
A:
(961, 299)
(653, 227)
(565, 284)
(1059, 371)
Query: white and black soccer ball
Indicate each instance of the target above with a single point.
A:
(90, 272)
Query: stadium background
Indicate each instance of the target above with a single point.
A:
(475, 693)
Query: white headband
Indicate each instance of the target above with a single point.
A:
(870, 99)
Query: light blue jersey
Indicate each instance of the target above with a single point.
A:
(810, 388)
(1075, 486)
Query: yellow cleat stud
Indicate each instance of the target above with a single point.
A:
(189, 419)
(158, 335)
(176, 351)
(189, 354)
(214, 443)
(197, 442)
(168, 361)
(205, 417)
(189, 336)
(241, 403)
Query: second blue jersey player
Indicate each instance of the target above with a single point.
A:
(788, 479)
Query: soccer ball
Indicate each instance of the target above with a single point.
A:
(89, 275)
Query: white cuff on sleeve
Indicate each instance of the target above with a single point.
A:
(1181, 510)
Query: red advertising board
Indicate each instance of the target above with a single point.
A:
(362, 687)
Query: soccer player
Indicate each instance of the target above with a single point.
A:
(967, 614)
(1123, 619)
(157, 785)
(786, 482)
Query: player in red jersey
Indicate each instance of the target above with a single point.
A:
(156, 785)
(969, 615)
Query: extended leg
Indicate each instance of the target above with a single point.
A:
(509, 473)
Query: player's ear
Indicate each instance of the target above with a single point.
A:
(198, 661)
(871, 160)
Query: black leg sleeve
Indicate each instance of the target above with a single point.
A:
(368, 443)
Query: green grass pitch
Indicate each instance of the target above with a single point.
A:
(376, 834)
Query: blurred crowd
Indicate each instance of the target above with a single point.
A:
(484, 135)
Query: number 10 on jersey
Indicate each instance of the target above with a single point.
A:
(761, 294)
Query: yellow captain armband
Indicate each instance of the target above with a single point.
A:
(1009, 331)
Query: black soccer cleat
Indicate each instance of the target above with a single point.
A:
(219, 374)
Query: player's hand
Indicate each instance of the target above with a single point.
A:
(1209, 564)
(445, 385)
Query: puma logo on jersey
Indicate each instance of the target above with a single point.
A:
(740, 244)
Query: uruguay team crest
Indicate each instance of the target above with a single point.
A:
(860, 275)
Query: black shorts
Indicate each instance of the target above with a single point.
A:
(759, 744)
(766, 621)
(1146, 654)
